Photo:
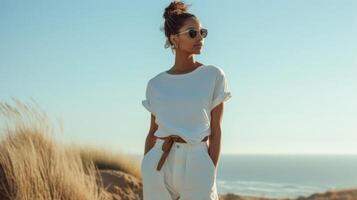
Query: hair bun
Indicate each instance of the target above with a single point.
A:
(175, 8)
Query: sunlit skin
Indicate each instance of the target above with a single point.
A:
(186, 49)
(184, 63)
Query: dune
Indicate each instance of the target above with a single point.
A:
(33, 165)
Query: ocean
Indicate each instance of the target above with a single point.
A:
(285, 175)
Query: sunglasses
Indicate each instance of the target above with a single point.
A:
(193, 32)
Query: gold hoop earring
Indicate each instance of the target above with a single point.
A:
(167, 44)
(173, 50)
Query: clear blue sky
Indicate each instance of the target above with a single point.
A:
(291, 67)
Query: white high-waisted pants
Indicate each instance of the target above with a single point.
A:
(187, 174)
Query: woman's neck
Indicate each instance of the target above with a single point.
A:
(184, 63)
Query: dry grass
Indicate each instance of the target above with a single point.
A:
(34, 166)
(105, 159)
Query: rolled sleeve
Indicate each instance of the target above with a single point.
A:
(146, 102)
(221, 91)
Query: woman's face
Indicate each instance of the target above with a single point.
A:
(183, 40)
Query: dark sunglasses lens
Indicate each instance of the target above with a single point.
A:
(204, 33)
(192, 33)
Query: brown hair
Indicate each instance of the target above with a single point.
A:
(175, 15)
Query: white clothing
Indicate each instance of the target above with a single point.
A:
(182, 103)
(187, 174)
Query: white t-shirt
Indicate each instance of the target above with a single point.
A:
(182, 103)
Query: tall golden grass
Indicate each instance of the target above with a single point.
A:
(34, 166)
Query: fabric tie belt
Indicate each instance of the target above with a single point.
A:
(166, 146)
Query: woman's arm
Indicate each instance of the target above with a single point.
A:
(215, 137)
(151, 138)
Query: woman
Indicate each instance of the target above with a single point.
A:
(186, 104)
